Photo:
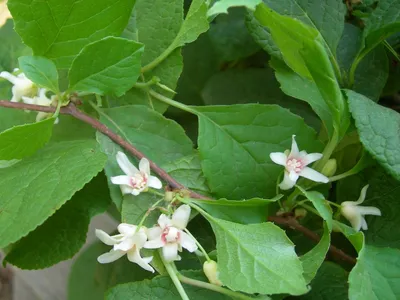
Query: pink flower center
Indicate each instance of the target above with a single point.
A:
(139, 181)
(294, 164)
(171, 235)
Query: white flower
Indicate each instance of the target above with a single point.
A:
(355, 213)
(22, 86)
(129, 242)
(170, 236)
(41, 100)
(135, 181)
(295, 164)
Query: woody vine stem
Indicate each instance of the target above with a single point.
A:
(72, 110)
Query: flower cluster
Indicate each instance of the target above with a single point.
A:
(169, 235)
(26, 91)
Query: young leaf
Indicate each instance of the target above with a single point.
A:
(41, 71)
(64, 233)
(162, 288)
(378, 130)
(36, 187)
(222, 6)
(314, 258)
(111, 65)
(24, 140)
(59, 29)
(240, 138)
(319, 202)
(249, 253)
(376, 274)
(244, 212)
(90, 280)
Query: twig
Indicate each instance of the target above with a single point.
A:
(293, 224)
(71, 110)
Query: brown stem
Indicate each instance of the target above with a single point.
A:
(293, 224)
(71, 110)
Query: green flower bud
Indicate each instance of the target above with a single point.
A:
(330, 168)
(300, 213)
(210, 269)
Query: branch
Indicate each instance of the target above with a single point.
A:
(293, 224)
(71, 110)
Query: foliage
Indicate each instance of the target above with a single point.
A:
(226, 102)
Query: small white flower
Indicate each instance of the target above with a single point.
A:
(129, 242)
(22, 86)
(295, 164)
(355, 213)
(41, 100)
(170, 236)
(135, 181)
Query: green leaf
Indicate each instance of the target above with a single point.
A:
(303, 50)
(356, 238)
(299, 87)
(326, 16)
(98, 69)
(383, 192)
(89, 280)
(378, 130)
(221, 6)
(36, 187)
(244, 212)
(319, 202)
(247, 254)
(64, 233)
(329, 284)
(314, 258)
(235, 142)
(161, 139)
(41, 71)
(24, 140)
(162, 288)
(59, 29)
(376, 274)
(134, 208)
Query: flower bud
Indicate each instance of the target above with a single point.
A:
(330, 168)
(300, 213)
(210, 269)
(169, 196)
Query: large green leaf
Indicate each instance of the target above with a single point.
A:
(90, 280)
(329, 284)
(36, 187)
(376, 275)
(24, 140)
(235, 142)
(41, 71)
(222, 6)
(378, 128)
(59, 29)
(99, 69)
(162, 288)
(326, 16)
(64, 233)
(250, 254)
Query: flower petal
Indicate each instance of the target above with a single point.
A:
(110, 256)
(125, 165)
(123, 179)
(313, 175)
(134, 256)
(144, 166)
(154, 244)
(364, 224)
(10, 77)
(154, 182)
(181, 216)
(127, 229)
(170, 252)
(278, 158)
(188, 242)
(363, 193)
(125, 245)
(369, 210)
(106, 238)
(136, 192)
(286, 183)
(310, 158)
(294, 151)
(126, 189)
(154, 232)
(293, 176)
(164, 221)
(350, 212)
